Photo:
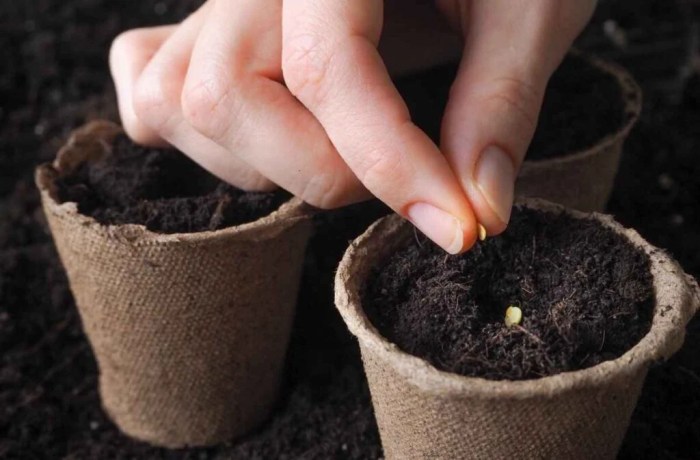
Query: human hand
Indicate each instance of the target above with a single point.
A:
(294, 93)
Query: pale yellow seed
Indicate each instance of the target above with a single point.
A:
(482, 233)
(513, 316)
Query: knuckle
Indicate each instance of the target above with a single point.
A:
(209, 107)
(155, 99)
(379, 170)
(127, 43)
(305, 62)
(515, 96)
(324, 190)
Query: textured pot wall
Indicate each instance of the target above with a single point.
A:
(189, 331)
(423, 412)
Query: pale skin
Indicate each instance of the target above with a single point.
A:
(297, 94)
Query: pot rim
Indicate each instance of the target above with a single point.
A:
(93, 140)
(632, 97)
(677, 298)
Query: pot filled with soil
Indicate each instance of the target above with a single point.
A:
(595, 109)
(534, 344)
(186, 286)
(588, 110)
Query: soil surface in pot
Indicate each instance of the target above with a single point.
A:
(582, 105)
(161, 189)
(586, 296)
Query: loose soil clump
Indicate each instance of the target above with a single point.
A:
(586, 295)
(161, 189)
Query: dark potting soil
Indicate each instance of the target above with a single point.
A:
(161, 189)
(582, 105)
(585, 293)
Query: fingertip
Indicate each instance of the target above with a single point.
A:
(469, 226)
(453, 234)
(469, 239)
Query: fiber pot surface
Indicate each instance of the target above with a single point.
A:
(584, 180)
(423, 412)
(189, 330)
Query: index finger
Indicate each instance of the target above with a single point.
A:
(331, 64)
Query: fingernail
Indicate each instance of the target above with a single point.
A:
(438, 225)
(495, 177)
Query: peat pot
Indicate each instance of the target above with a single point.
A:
(584, 180)
(189, 330)
(424, 412)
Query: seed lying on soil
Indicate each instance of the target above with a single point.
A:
(513, 316)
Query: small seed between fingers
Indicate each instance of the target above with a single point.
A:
(482, 233)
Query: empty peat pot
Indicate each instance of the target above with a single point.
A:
(584, 179)
(189, 330)
(424, 411)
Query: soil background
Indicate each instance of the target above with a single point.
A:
(54, 77)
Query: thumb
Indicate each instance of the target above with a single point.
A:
(511, 50)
